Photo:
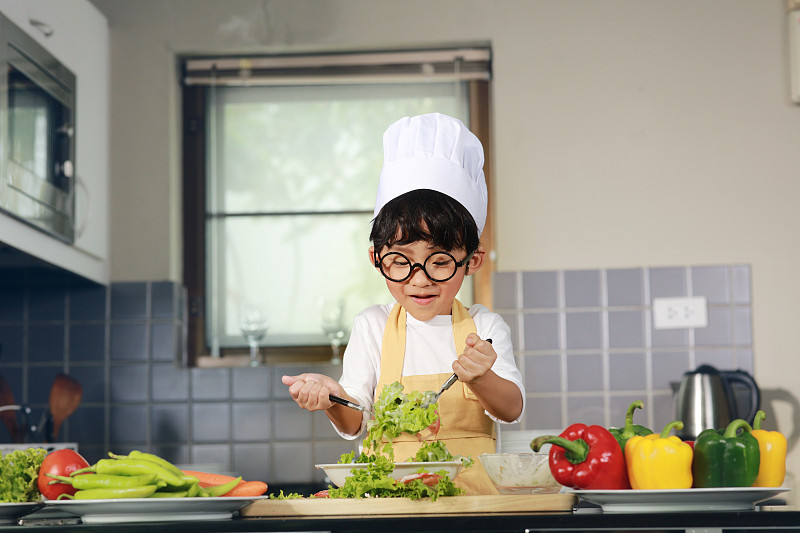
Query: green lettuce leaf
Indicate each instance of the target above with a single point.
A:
(435, 452)
(397, 413)
(18, 473)
(374, 481)
(350, 458)
(289, 496)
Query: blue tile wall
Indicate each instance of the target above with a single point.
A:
(587, 347)
(584, 342)
(123, 344)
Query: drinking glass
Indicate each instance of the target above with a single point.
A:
(253, 323)
(333, 326)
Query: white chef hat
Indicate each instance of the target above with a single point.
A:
(437, 152)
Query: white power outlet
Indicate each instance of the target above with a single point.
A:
(673, 313)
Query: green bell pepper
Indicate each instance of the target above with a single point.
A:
(724, 459)
(630, 429)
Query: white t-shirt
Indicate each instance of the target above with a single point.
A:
(429, 350)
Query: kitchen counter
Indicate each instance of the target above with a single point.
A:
(771, 518)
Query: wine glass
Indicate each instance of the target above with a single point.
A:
(253, 323)
(333, 326)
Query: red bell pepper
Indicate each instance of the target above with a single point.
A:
(586, 457)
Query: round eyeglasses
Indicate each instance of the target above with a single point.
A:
(439, 266)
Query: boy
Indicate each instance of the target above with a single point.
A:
(429, 214)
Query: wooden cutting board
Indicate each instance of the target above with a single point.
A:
(312, 507)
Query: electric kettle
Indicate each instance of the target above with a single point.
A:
(710, 399)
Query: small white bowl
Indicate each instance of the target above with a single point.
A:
(520, 473)
(338, 473)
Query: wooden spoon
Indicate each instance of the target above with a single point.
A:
(64, 399)
(9, 417)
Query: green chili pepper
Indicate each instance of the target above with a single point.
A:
(105, 481)
(219, 490)
(630, 429)
(110, 494)
(188, 480)
(197, 490)
(136, 454)
(132, 467)
(172, 488)
(176, 494)
(191, 488)
(193, 491)
(724, 459)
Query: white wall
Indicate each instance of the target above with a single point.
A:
(627, 133)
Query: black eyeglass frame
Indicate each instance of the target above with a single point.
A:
(459, 264)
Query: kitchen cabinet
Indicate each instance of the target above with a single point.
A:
(77, 34)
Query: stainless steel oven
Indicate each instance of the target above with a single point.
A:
(37, 134)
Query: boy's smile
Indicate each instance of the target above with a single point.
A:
(419, 295)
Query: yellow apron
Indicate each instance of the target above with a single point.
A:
(465, 427)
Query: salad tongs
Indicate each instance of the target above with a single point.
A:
(351, 405)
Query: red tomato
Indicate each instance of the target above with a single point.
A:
(60, 463)
(321, 494)
(434, 428)
(430, 480)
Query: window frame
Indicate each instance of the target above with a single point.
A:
(196, 352)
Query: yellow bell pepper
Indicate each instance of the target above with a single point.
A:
(659, 461)
(772, 447)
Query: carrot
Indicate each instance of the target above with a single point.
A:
(209, 480)
(248, 488)
(244, 488)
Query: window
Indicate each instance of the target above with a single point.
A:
(281, 164)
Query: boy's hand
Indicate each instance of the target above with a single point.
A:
(476, 361)
(311, 391)
(498, 396)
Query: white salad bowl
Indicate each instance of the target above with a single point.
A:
(338, 473)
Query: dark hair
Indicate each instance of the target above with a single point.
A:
(427, 215)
